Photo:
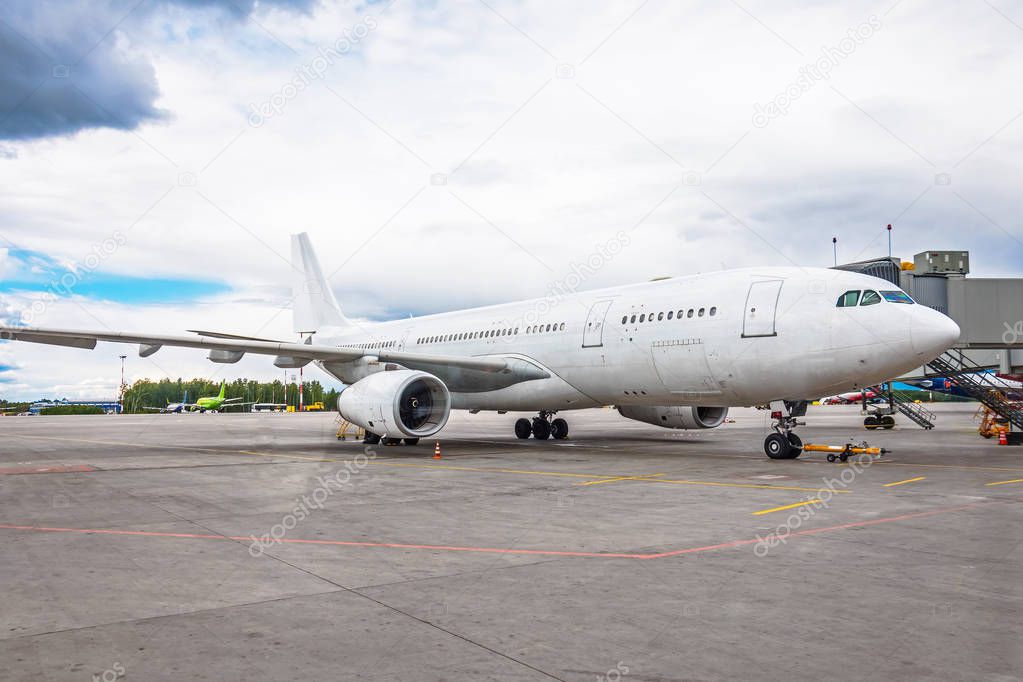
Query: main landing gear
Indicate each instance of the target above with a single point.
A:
(784, 443)
(372, 439)
(542, 427)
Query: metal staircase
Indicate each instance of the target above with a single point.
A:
(903, 402)
(913, 410)
(977, 384)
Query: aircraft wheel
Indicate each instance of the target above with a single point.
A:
(888, 422)
(371, 438)
(777, 446)
(411, 441)
(541, 429)
(523, 429)
(559, 429)
(870, 423)
(795, 445)
(831, 457)
(392, 441)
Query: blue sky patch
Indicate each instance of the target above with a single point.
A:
(35, 271)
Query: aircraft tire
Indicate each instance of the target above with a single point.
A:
(523, 429)
(411, 441)
(777, 446)
(371, 438)
(541, 429)
(559, 429)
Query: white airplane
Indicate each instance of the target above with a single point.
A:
(675, 352)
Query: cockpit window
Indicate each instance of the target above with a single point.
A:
(897, 297)
(870, 298)
(849, 299)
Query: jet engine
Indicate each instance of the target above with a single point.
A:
(676, 417)
(397, 404)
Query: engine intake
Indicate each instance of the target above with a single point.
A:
(398, 404)
(676, 417)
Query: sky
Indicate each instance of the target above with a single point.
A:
(155, 155)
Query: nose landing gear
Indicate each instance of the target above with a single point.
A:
(784, 443)
(542, 427)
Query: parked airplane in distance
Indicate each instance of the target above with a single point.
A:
(850, 397)
(1012, 388)
(208, 404)
(675, 352)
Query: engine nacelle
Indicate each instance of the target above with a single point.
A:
(401, 403)
(676, 417)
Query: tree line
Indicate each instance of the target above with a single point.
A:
(146, 393)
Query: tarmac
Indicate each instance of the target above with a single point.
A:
(259, 546)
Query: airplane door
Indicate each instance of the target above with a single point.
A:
(593, 333)
(761, 308)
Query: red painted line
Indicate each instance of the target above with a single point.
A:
(490, 550)
(814, 531)
(341, 543)
(55, 469)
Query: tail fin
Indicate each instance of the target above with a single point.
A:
(223, 385)
(314, 304)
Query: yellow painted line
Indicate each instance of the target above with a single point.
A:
(908, 480)
(621, 478)
(750, 485)
(531, 472)
(787, 506)
(1015, 480)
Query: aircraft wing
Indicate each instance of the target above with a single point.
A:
(287, 355)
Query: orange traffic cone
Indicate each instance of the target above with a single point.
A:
(1003, 439)
(436, 450)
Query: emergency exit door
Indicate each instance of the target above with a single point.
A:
(761, 308)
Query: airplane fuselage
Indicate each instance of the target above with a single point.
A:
(730, 338)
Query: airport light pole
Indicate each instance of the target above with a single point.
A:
(834, 246)
(120, 399)
(889, 240)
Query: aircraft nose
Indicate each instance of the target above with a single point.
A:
(931, 332)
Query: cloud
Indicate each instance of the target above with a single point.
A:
(71, 66)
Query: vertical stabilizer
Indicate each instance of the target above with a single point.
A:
(314, 306)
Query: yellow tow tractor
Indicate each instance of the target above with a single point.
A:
(843, 452)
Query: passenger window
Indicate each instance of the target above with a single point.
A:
(849, 299)
(690, 313)
(701, 312)
(660, 316)
(681, 313)
(633, 320)
(562, 327)
(713, 311)
(642, 317)
(671, 313)
(625, 319)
